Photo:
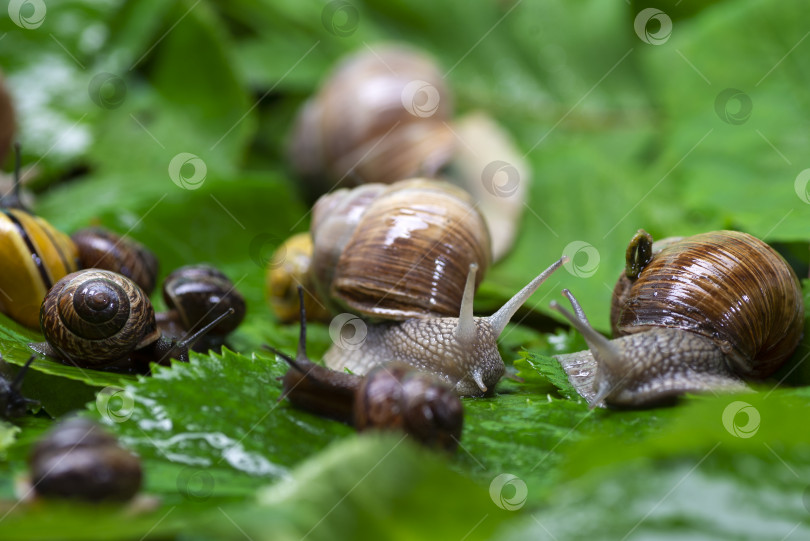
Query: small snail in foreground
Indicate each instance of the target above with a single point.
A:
(100, 319)
(196, 295)
(390, 397)
(35, 255)
(12, 402)
(102, 249)
(79, 460)
(694, 314)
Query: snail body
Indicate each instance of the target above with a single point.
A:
(196, 295)
(392, 396)
(290, 267)
(100, 248)
(80, 460)
(100, 319)
(700, 313)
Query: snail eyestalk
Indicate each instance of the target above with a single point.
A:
(202, 332)
(602, 348)
(16, 385)
(465, 331)
(499, 319)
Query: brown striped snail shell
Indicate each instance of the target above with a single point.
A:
(399, 251)
(380, 117)
(692, 314)
(79, 460)
(93, 317)
(35, 256)
(100, 248)
(100, 319)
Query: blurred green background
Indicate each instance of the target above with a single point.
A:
(687, 118)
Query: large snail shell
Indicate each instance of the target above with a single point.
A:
(380, 117)
(410, 251)
(726, 285)
(103, 249)
(34, 256)
(95, 316)
(7, 120)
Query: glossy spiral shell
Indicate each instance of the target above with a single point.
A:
(34, 256)
(399, 251)
(80, 460)
(201, 293)
(725, 285)
(94, 317)
(398, 397)
(103, 249)
(380, 117)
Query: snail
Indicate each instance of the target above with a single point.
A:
(392, 396)
(79, 460)
(102, 249)
(381, 116)
(12, 402)
(197, 295)
(406, 256)
(694, 314)
(35, 255)
(289, 268)
(384, 115)
(100, 319)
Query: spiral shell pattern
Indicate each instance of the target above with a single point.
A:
(94, 317)
(725, 285)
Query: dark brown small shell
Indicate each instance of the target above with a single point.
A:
(80, 460)
(395, 396)
(200, 294)
(726, 285)
(103, 249)
(95, 317)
